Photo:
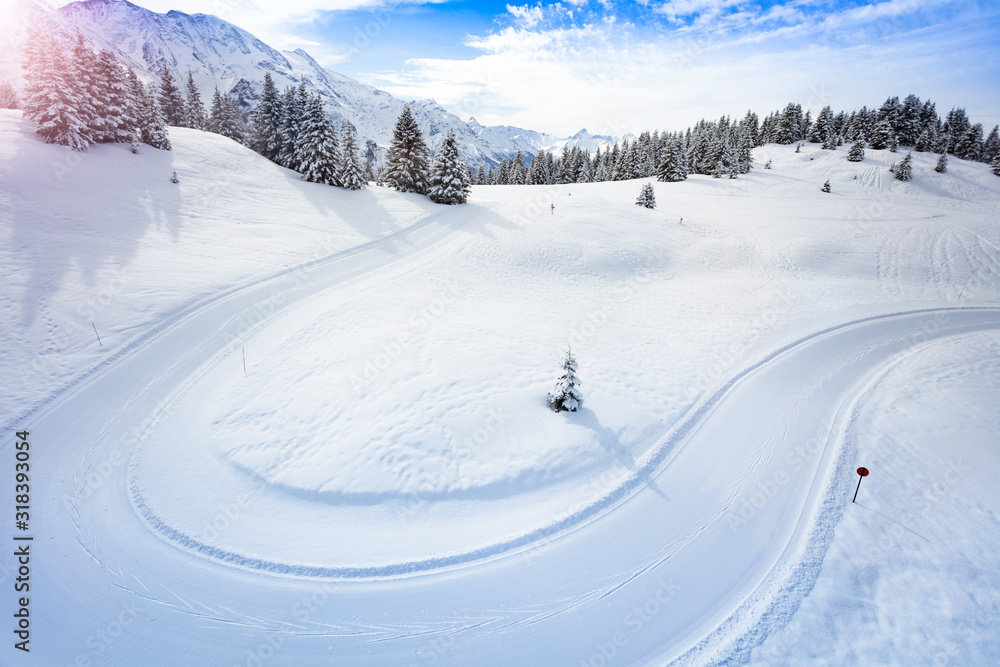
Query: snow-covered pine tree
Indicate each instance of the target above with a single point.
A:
(352, 174)
(767, 165)
(406, 168)
(317, 141)
(995, 165)
(266, 121)
(720, 169)
(673, 167)
(942, 163)
(85, 88)
(882, 137)
(904, 170)
(449, 182)
(371, 160)
(8, 96)
(538, 173)
(516, 171)
(171, 101)
(744, 149)
(49, 97)
(923, 142)
(115, 122)
(857, 152)
(647, 197)
(991, 147)
(292, 111)
(194, 109)
(565, 395)
(480, 176)
(826, 186)
(893, 143)
(970, 144)
(151, 125)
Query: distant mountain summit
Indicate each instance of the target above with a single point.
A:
(221, 54)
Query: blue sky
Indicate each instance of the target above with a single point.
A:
(615, 67)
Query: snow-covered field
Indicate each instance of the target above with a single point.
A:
(385, 484)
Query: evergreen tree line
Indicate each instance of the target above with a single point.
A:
(409, 167)
(293, 129)
(79, 97)
(723, 148)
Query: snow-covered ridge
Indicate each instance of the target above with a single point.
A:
(221, 54)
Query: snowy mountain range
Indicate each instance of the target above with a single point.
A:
(221, 54)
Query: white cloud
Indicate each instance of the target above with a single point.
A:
(607, 79)
(526, 15)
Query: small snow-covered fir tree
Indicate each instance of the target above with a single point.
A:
(826, 186)
(449, 182)
(406, 163)
(893, 143)
(995, 165)
(565, 395)
(317, 155)
(646, 197)
(942, 163)
(352, 174)
(857, 152)
(767, 165)
(904, 170)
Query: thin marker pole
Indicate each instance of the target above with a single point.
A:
(862, 473)
(98, 335)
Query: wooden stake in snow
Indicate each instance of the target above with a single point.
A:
(98, 335)
(862, 473)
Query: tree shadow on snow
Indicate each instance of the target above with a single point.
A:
(89, 213)
(608, 439)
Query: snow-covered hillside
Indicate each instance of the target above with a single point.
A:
(218, 53)
(382, 482)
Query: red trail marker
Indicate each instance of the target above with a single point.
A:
(862, 473)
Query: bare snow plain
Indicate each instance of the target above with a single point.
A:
(314, 429)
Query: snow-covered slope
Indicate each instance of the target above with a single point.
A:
(384, 482)
(220, 54)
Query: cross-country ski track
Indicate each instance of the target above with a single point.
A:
(644, 574)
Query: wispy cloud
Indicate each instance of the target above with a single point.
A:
(558, 73)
